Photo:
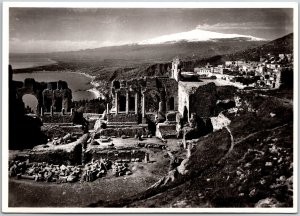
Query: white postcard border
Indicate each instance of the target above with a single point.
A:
(5, 108)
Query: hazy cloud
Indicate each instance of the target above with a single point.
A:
(41, 46)
(233, 26)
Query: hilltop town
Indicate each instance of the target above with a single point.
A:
(265, 73)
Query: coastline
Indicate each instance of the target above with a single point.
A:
(44, 69)
(30, 65)
(93, 90)
(84, 74)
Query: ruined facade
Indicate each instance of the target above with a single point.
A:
(154, 102)
(196, 97)
(132, 100)
(51, 97)
(58, 96)
(25, 131)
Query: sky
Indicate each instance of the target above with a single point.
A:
(37, 30)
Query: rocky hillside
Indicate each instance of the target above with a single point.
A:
(275, 47)
(243, 165)
(281, 45)
(127, 62)
(109, 62)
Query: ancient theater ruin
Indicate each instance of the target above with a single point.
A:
(158, 106)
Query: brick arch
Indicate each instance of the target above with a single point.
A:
(30, 102)
(25, 90)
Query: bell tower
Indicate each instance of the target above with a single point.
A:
(176, 69)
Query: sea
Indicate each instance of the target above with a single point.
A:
(77, 82)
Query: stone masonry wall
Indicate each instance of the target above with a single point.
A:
(122, 118)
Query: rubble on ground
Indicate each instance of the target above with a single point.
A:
(46, 172)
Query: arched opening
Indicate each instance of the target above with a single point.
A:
(185, 114)
(30, 103)
(47, 103)
(116, 84)
(171, 103)
(131, 103)
(122, 106)
(58, 104)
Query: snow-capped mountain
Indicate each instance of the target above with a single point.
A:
(197, 35)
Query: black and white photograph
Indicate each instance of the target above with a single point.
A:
(150, 107)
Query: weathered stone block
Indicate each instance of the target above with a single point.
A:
(122, 118)
(171, 117)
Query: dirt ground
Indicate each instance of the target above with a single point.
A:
(28, 193)
(131, 142)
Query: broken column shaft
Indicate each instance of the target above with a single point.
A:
(143, 105)
(117, 102)
(136, 103)
(127, 102)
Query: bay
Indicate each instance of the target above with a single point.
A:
(78, 83)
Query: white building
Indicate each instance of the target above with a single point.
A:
(203, 71)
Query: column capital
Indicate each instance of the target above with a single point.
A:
(144, 91)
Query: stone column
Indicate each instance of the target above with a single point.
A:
(160, 108)
(107, 108)
(143, 105)
(116, 102)
(189, 150)
(63, 111)
(147, 158)
(136, 103)
(127, 102)
(72, 111)
(42, 111)
(37, 110)
(51, 110)
(184, 140)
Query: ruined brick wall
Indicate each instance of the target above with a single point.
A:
(200, 99)
(165, 90)
(171, 87)
(118, 132)
(153, 97)
(58, 156)
(54, 130)
(183, 99)
(203, 100)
